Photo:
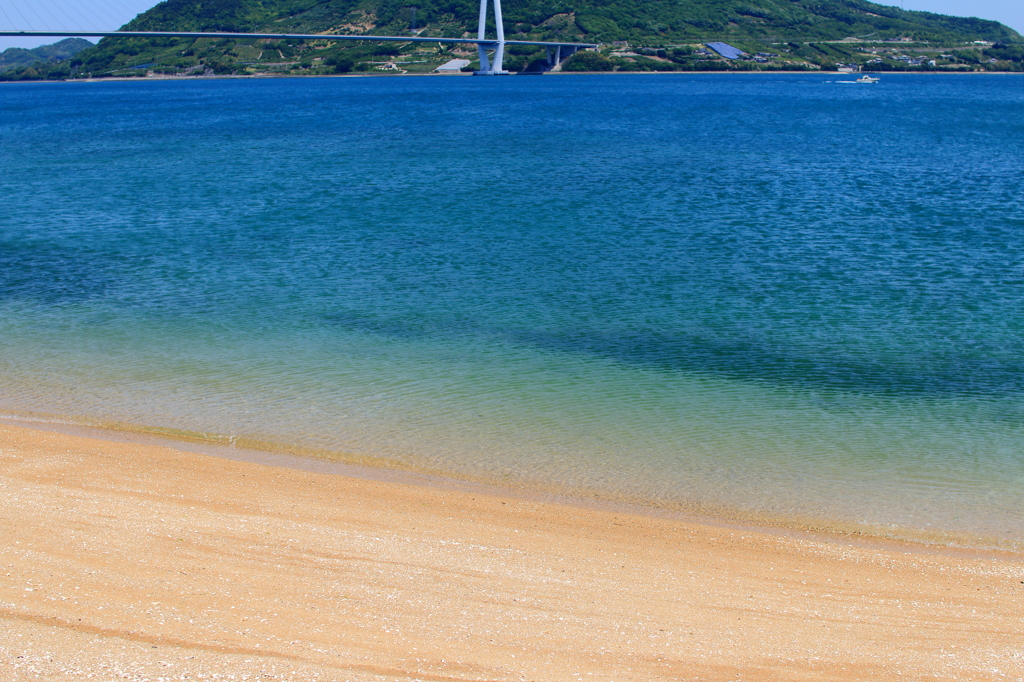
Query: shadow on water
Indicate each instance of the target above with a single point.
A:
(744, 360)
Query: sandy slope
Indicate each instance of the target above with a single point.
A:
(127, 561)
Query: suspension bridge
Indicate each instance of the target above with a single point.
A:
(490, 64)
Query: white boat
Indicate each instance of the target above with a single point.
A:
(866, 79)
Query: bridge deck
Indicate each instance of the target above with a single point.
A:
(280, 36)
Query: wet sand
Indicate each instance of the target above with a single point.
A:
(135, 561)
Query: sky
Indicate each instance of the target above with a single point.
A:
(109, 15)
(65, 15)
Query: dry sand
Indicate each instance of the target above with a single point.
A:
(127, 561)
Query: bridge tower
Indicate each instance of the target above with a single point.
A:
(493, 66)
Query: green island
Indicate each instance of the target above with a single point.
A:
(634, 35)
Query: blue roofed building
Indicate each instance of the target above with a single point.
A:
(726, 50)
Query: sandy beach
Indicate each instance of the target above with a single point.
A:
(141, 562)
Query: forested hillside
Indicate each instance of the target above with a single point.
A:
(636, 35)
(65, 49)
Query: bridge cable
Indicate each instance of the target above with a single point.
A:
(125, 10)
(61, 13)
(6, 16)
(43, 8)
(26, 21)
(41, 20)
(68, 12)
(55, 16)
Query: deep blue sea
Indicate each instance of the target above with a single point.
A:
(775, 297)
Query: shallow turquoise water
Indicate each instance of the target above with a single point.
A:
(774, 296)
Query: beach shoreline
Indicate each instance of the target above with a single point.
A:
(138, 79)
(390, 470)
(127, 560)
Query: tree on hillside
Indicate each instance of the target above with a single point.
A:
(588, 61)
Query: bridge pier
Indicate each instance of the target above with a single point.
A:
(493, 66)
(561, 53)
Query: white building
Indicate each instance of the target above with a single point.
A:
(454, 66)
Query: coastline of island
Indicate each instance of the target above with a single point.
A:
(555, 73)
